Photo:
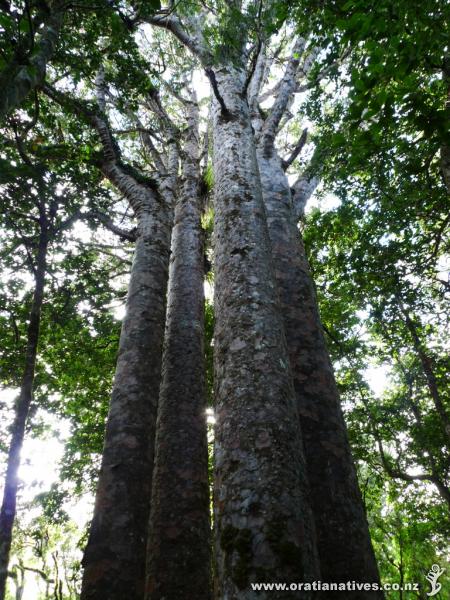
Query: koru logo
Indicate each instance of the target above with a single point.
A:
(433, 575)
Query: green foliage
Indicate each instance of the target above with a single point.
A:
(47, 552)
(402, 533)
(393, 112)
(380, 259)
(208, 179)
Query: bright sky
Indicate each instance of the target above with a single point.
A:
(38, 471)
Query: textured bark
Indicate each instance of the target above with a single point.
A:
(8, 509)
(263, 524)
(114, 560)
(18, 79)
(343, 539)
(179, 532)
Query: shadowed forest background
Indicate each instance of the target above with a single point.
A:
(185, 188)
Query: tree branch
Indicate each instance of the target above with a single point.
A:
(173, 23)
(306, 68)
(296, 151)
(212, 78)
(124, 234)
(285, 93)
(67, 224)
(302, 191)
(136, 187)
(256, 73)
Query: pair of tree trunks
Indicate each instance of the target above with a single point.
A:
(22, 409)
(115, 558)
(262, 462)
(343, 540)
(179, 555)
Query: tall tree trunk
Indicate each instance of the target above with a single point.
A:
(179, 561)
(114, 560)
(8, 509)
(263, 524)
(343, 539)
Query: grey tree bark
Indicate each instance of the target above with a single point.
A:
(114, 559)
(343, 538)
(179, 557)
(263, 522)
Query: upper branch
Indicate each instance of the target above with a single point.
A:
(307, 65)
(302, 191)
(296, 150)
(173, 23)
(125, 234)
(212, 78)
(285, 92)
(255, 77)
(138, 189)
